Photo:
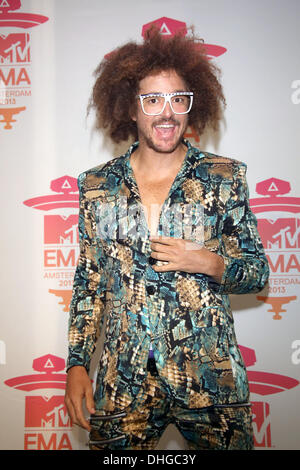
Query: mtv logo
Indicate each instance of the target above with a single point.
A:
(261, 424)
(61, 230)
(44, 412)
(9, 5)
(280, 234)
(14, 48)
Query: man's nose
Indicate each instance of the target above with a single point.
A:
(167, 112)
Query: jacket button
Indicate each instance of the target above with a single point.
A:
(150, 289)
(152, 260)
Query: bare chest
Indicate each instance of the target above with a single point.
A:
(153, 194)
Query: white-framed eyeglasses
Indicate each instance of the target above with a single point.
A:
(154, 104)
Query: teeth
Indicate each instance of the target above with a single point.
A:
(167, 126)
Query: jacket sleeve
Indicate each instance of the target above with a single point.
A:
(87, 303)
(246, 266)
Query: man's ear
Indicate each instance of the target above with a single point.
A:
(132, 113)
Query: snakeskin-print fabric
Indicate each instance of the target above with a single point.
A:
(186, 317)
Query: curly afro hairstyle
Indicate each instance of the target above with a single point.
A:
(118, 75)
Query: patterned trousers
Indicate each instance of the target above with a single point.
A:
(141, 425)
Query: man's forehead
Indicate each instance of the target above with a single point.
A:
(164, 81)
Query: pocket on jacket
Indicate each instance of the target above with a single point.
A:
(214, 346)
(208, 317)
(206, 347)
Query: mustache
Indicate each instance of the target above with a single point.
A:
(166, 121)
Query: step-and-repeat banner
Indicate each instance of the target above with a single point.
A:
(48, 52)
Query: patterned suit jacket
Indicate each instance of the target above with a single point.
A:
(186, 317)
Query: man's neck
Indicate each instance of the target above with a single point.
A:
(148, 162)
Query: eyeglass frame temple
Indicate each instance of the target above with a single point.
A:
(167, 97)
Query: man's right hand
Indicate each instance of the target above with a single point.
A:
(79, 387)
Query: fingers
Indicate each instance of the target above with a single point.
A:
(75, 411)
(165, 244)
(160, 246)
(160, 256)
(180, 255)
(89, 401)
(162, 251)
(79, 388)
(70, 409)
(81, 421)
(163, 240)
(165, 268)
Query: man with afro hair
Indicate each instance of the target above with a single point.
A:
(166, 234)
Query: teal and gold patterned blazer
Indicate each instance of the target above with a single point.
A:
(186, 317)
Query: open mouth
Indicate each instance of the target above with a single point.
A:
(165, 130)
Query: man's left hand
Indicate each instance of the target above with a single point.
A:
(185, 255)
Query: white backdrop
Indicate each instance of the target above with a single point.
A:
(47, 62)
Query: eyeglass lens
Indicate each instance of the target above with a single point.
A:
(180, 104)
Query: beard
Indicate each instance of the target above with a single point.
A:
(149, 141)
